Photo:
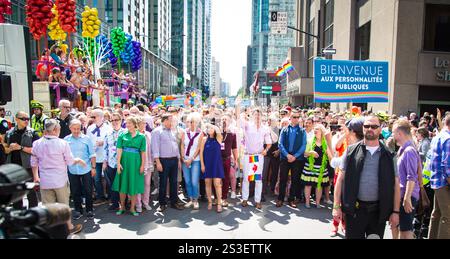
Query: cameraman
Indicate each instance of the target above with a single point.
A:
(51, 156)
(19, 141)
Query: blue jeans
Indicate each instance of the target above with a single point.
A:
(110, 176)
(192, 179)
(100, 193)
(81, 184)
(170, 170)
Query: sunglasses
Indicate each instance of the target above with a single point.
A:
(115, 120)
(24, 119)
(93, 117)
(374, 127)
(295, 117)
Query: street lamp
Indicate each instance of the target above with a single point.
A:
(165, 42)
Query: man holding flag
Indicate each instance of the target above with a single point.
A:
(255, 135)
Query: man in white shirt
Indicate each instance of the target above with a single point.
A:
(97, 133)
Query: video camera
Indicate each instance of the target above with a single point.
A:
(46, 222)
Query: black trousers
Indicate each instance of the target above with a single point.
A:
(363, 224)
(296, 168)
(275, 165)
(78, 185)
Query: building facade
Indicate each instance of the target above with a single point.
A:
(412, 35)
(278, 45)
(191, 43)
(216, 83)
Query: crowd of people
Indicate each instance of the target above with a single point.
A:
(74, 76)
(366, 166)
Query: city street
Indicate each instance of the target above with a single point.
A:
(234, 222)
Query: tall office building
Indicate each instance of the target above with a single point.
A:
(191, 53)
(260, 34)
(278, 45)
(215, 78)
(159, 30)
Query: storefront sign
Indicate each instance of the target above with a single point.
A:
(444, 74)
(350, 81)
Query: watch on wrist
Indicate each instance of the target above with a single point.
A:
(336, 207)
(21, 148)
(396, 212)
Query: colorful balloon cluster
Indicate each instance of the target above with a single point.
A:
(55, 30)
(137, 60)
(91, 22)
(67, 15)
(128, 53)
(118, 41)
(5, 8)
(39, 15)
(104, 43)
(92, 47)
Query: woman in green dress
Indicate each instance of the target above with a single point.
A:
(131, 148)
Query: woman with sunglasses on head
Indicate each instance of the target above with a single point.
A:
(190, 157)
(211, 164)
(315, 172)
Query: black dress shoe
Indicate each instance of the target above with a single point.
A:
(162, 208)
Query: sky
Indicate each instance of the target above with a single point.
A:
(230, 36)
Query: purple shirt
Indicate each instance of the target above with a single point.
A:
(407, 163)
(164, 143)
(52, 156)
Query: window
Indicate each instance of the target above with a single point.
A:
(437, 28)
(310, 39)
(329, 21)
(362, 46)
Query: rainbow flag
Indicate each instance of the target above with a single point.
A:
(254, 177)
(285, 69)
(253, 159)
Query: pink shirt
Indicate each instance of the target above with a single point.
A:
(255, 138)
(52, 156)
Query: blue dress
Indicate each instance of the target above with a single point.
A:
(213, 159)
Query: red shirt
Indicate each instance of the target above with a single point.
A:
(228, 144)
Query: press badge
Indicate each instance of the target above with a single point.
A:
(222, 146)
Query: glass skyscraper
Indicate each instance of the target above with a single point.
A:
(278, 45)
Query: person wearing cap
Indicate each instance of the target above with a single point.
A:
(18, 143)
(38, 119)
(50, 159)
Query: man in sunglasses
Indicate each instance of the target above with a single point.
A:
(370, 193)
(19, 141)
(65, 118)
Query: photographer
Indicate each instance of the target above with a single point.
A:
(51, 156)
(19, 141)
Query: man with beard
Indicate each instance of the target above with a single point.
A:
(371, 190)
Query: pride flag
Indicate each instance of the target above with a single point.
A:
(254, 177)
(285, 69)
(253, 159)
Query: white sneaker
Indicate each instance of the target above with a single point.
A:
(233, 195)
(188, 205)
(196, 205)
(155, 191)
(139, 209)
(329, 202)
(147, 207)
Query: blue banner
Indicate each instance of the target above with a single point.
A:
(350, 81)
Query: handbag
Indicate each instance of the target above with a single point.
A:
(424, 202)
